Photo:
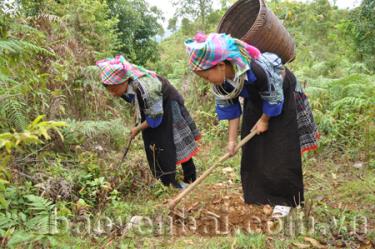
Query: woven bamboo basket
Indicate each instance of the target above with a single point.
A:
(252, 22)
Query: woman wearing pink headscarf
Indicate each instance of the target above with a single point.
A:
(168, 131)
(274, 105)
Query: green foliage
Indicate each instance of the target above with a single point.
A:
(324, 48)
(15, 54)
(138, 25)
(35, 225)
(48, 51)
(77, 132)
(360, 191)
(256, 241)
(362, 29)
(45, 52)
(344, 111)
(16, 46)
(14, 111)
(93, 188)
(197, 10)
(32, 135)
(89, 20)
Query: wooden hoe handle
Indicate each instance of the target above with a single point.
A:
(191, 186)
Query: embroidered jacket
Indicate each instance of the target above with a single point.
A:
(273, 97)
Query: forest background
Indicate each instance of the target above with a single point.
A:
(61, 134)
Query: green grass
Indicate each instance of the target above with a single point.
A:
(360, 191)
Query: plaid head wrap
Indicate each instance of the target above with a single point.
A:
(115, 71)
(207, 51)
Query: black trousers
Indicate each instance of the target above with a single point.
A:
(189, 172)
(161, 151)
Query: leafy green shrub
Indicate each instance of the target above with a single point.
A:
(34, 226)
(34, 134)
(36, 130)
(344, 111)
(112, 132)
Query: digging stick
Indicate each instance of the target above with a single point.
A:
(127, 147)
(186, 191)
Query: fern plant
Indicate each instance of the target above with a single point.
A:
(15, 114)
(78, 132)
(18, 46)
(16, 56)
(344, 110)
(41, 211)
(35, 226)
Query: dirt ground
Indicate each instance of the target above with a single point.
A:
(219, 209)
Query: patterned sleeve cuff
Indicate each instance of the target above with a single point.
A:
(154, 122)
(251, 78)
(228, 112)
(272, 110)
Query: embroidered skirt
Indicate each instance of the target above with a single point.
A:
(172, 142)
(185, 133)
(307, 129)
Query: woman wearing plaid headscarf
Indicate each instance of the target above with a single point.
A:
(274, 105)
(168, 131)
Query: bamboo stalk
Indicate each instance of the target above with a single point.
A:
(186, 191)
